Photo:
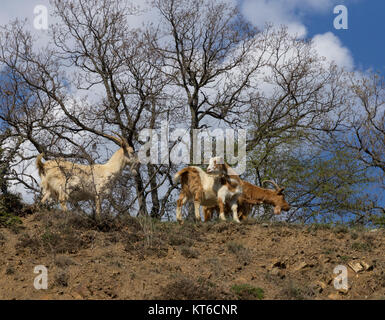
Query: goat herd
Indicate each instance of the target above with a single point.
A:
(220, 188)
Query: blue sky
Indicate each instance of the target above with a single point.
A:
(364, 37)
(365, 34)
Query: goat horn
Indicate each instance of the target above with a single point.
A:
(117, 140)
(124, 140)
(273, 183)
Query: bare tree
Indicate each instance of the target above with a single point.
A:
(201, 65)
(365, 131)
(207, 50)
(368, 121)
(92, 54)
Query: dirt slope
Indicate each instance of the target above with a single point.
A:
(143, 259)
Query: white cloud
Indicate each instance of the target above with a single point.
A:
(290, 13)
(261, 12)
(284, 12)
(329, 46)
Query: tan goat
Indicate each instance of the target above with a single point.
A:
(220, 185)
(252, 195)
(65, 181)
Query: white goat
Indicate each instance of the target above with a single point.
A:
(67, 181)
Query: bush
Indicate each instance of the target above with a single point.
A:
(10, 206)
(361, 246)
(247, 292)
(189, 253)
(296, 291)
(243, 254)
(61, 279)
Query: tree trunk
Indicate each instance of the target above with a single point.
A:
(140, 193)
(154, 193)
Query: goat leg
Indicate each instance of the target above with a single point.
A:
(197, 205)
(98, 209)
(221, 206)
(180, 202)
(234, 208)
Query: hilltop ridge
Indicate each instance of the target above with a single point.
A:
(140, 258)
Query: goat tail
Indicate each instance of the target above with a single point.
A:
(40, 164)
(179, 174)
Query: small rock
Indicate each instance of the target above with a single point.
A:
(264, 225)
(366, 266)
(359, 266)
(356, 266)
(300, 266)
(373, 230)
(241, 280)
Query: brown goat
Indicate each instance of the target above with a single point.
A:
(252, 195)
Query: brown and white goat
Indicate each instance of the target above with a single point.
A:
(252, 195)
(218, 187)
(65, 181)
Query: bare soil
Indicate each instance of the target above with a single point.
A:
(134, 258)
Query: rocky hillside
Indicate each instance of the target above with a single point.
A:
(144, 259)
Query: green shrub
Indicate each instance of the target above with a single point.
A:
(247, 291)
(10, 205)
(361, 246)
